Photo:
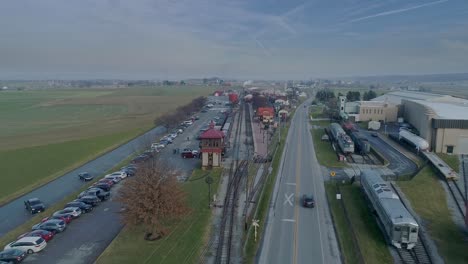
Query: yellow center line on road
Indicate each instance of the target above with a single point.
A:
(298, 180)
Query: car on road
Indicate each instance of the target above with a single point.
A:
(73, 211)
(12, 256)
(204, 111)
(374, 134)
(85, 176)
(85, 208)
(308, 201)
(88, 199)
(34, 205)
(28, 244)
(46, 235)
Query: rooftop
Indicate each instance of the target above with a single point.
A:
(396, 97)
(443, 110)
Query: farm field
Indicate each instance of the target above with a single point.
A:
(72, 127)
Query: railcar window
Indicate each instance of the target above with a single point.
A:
(397, 228)
(376, 185)
(379, 191)
(414, 230)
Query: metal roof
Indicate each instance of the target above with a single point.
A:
(396, 97)
(454, 110)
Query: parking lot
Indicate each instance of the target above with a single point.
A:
(87, 236)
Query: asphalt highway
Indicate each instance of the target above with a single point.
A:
(295, 234)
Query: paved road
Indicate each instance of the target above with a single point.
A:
(398, 162)
(87, 237)
(295, 234)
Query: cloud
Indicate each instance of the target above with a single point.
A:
(397, 11)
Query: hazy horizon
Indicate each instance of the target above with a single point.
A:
(269, 39)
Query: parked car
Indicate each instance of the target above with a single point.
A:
(28, 244)
(106, 187)
(34, 205)
(88, 199)
(188, 122)
(106, 181)
(12, 256)
(139, 159)
(94, 191)
(85, 208)
(120, 174)
(308, 201)
(66, 218)
(130, 172)
(189, 153)
(173, 135)
(46, 235)
(73, 211)
(85, 176)
(114, 179)
(52, 225)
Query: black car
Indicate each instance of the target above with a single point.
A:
(88, 199)
(104, 186)
(34, 205)
(129, 172)
(12, 256)
(139, 159)
(308, 201)
(94, 191)
(85, 208)
(84, 176)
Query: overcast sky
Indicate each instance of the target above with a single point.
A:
(260, 39)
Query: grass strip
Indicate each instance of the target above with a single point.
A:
(60, 159)
(186, 238)
(428, 199)
(345, 236)
(326, 155)
(368, 234)
(451, 160)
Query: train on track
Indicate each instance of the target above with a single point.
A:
(399, 226)
(418, 142)
(361, 144)
(344, 141)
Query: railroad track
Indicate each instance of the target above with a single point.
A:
(419, 254)
(457, 195)
(223, 250)
(368, 159)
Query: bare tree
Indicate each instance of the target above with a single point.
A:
(153, 198)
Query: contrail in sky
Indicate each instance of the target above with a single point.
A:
(396, 11)
(262, 46)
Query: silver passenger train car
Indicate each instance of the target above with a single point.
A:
(400, 228)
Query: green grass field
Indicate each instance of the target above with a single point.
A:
(45, 133)
(428, 199)
(186, 238)
(345, 236)
(325, 154)
(451, 160)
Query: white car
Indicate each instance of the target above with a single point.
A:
(113, 178)
(121, 174)
(188, 122)
(173, 136)
(74, 211)
(28, 244)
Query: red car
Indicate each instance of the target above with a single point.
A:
(66, 218)
(106, 181)
(46, 235)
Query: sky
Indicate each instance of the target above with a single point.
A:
(245, 39)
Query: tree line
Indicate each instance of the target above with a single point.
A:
(173, 119)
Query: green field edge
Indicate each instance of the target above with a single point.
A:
(68, 169)
(25, 227)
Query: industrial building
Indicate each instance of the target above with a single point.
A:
(442, 120)
(363, 111)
